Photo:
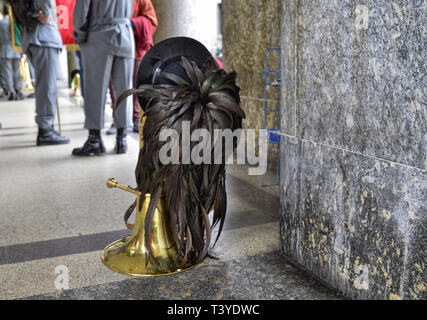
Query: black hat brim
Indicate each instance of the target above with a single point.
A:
(170, 49)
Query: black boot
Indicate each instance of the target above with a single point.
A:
(121, 144)
(47, 137)
(19, 96)
(93, 145)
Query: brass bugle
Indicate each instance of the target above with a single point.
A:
(112, 183)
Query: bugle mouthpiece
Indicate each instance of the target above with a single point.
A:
(112, 183)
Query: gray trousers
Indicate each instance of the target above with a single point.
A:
(45, 63)
(12, 75)
(98, 67)
(2, 79)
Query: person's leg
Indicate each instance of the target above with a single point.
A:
(113, 98)
(121, 76)
(97, 69)
(17, 79)
(113, 128)
(45, 62)
(8, 75)
(97, 66)
(2, 80)
(136, 107)
(82, 75)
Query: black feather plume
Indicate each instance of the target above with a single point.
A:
(208, 99)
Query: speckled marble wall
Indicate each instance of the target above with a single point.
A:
(249, 27)
(354, 150)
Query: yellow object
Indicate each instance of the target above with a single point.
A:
(24, 68)
(76, 86)
(130, 256)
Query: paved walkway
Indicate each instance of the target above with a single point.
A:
(56, 211)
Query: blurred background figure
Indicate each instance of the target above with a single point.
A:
(9, 60)
(82, 82)
(144, 24)
(3, 90)
(103, 30)
(42, 44)
(33, 77)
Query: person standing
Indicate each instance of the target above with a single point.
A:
(42, 44)
(103, 31)
(9, 60)
(144, 24)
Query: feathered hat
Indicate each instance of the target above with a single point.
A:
(177, 81)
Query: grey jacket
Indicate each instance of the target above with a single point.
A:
(6, 47)
(44, 35)
(105, 25)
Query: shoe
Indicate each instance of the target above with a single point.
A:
(19, 96)
(93, 145)
(112, 130)
(47, 137)
(31, 95)
(121, 144)
(11, 97)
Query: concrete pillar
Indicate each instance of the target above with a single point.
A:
(190, 18)
(354, 148)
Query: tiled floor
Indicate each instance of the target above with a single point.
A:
(55, 210)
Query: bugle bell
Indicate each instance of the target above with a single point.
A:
(130, 256)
